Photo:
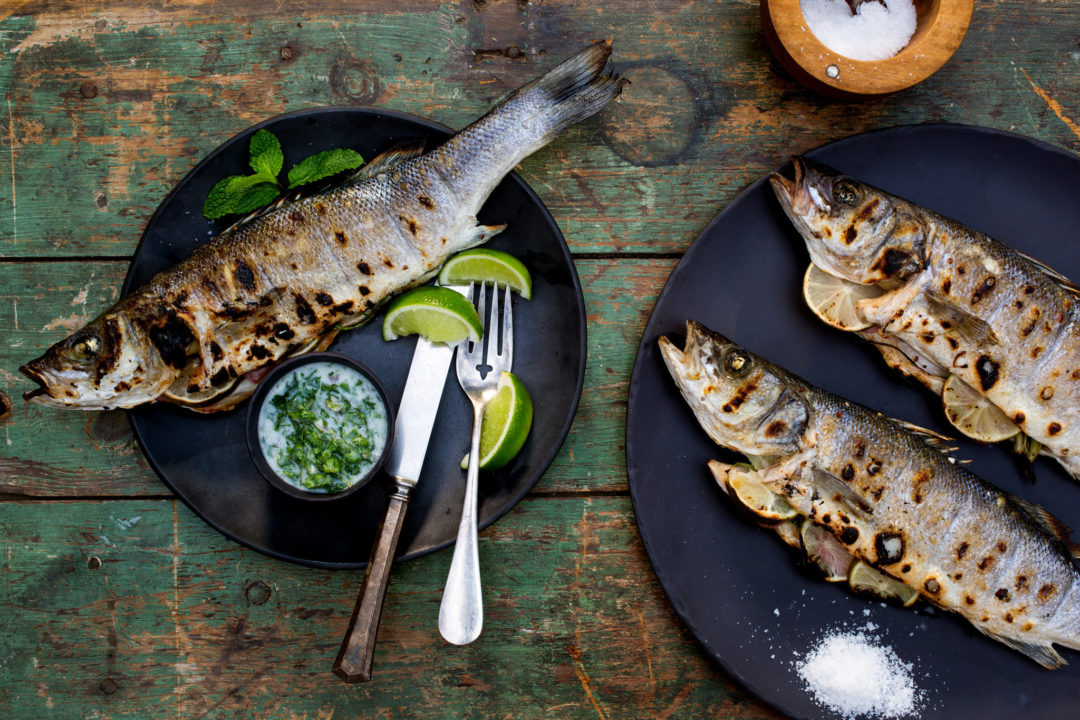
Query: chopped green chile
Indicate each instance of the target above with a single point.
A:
(322, 427)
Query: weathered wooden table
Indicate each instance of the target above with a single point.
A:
(117, 601)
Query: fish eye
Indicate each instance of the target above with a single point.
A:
(737, 363)
(845, 192)
(86, 346)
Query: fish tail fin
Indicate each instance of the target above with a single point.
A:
(574, 90)
(478, 157)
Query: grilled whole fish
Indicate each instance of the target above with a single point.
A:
(892, 499)
(956, 301)
(285, 281)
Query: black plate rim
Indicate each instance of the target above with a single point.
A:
(636, 500)
(566, 257)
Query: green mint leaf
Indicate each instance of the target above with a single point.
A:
(322, 165)
(265, 155)
(238, 194)
(220, 199)
(255, 196)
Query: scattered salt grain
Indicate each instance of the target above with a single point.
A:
(854, 676)
(873, 33)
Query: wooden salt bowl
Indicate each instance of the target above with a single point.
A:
(940, 27)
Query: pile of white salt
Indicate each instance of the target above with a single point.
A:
(854, 676)
(875, 32)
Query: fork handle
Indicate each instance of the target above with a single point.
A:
(353, 663)
(461, 614)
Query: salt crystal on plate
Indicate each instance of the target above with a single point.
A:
(854, 676)
(873, 33)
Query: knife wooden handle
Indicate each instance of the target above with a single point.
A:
(353, 663)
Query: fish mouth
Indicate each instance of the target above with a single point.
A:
(793, 194)
(41, 390)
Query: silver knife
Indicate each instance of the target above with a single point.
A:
(412, 430)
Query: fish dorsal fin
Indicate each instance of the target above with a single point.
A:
(966, 325)
(941, 443)
(386, 161)
(827, 484)
(1065, 283)
(276, 205)
(1042, 517)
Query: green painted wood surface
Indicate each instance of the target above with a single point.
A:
(117, 602)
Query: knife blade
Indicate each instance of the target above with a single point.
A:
(412, 431)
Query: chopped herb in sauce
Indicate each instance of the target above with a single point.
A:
(322, 427)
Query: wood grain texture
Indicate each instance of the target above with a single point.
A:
(117, 602)
(109, 105)
(129, 605)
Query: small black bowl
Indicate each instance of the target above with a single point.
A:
(252, 425)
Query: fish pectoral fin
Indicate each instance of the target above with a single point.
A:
(903, 358)
(387, 160)
(970, 327)
(1042, 517)
(826, 484)
(478, 234)
(1065, 283)
(1045, 655)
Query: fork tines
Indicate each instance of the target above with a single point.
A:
(500, 343)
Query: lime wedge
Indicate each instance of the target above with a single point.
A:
(505, 425)
(439, 314)
(834, 299)
(972, 414)
(484, 265)
(865, 578)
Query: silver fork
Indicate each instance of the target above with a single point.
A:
(461, 614)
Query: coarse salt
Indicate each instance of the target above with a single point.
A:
(854, 676)
(874, 32)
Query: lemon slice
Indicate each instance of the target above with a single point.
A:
(748, 489)
(834, 299)
(505, 424)
(972, 414)
(439, 314)
(866, 578)
(484, 265)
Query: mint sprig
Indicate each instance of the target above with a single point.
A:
(240, 194)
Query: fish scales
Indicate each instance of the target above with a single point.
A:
(285, 281)
(890, 498)
(961, 301)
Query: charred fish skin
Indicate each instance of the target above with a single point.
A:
(285, 281)
(973, 307)
(894, 501)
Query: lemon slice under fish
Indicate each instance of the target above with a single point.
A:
(972, 414)
(757, 498)
(834, 299)
(866, 578)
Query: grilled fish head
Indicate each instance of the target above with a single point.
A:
(743, 402)
(853, 230)
(109, 363)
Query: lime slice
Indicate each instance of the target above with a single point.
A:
(972, 414)
(439, 314)
(746, 486)
(505, 425)
(866, 578)
(834, 299)
(484, 265)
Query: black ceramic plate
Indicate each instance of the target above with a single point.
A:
(204, 460)
(734, 585)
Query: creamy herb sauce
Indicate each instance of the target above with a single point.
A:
(322, 427)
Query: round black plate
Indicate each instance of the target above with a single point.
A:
(733, 584)
(204, 460)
